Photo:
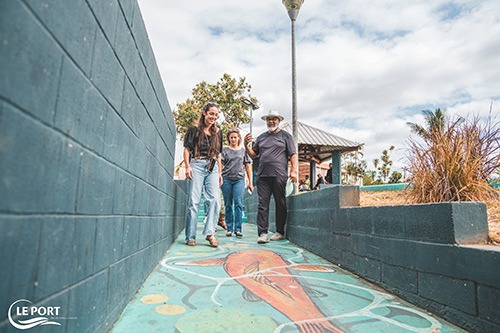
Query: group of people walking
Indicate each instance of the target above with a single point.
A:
(210, 166)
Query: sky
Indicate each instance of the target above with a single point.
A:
(364, 68)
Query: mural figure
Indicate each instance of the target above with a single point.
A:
(265, 275)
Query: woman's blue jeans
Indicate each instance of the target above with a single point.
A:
(233, 191)
(207, 183)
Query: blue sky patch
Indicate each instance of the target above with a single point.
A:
(216, 31)
(450, 11)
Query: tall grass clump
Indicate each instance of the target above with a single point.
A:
(454, 161)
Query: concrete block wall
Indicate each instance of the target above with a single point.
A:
(88, 204)
(433, 255)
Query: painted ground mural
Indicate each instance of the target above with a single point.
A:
(242, 286)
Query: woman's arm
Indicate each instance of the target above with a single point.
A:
(189, 171)
(219, 163)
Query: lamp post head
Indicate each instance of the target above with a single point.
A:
(293, 7)
(250, 103)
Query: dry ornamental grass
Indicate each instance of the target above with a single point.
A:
(393, 198)
(455, 163)
(452, 161)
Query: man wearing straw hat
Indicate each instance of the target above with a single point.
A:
(274, 149)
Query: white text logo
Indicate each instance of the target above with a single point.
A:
(32, 311)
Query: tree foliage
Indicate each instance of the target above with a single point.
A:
(385, 169)
(395, 177)
(382, 166)
(435, 121)
(354, 167)
(228, 92)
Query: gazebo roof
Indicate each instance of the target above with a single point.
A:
(316, 144)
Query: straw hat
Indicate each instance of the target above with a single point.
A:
(273, 114)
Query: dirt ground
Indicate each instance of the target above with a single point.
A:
(391, 198)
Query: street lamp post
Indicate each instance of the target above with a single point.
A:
(293, 8)
(252, 108)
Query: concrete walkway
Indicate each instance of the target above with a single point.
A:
(242, 286)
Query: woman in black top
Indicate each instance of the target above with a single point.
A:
(202, 147)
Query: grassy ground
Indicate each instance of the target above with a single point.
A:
(392, 198)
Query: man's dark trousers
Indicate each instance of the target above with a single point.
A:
(267, 186)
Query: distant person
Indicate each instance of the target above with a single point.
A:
(202, 147)
(307, 181)
(236, 163)
(328, 177)
(274, 149)
(320, 181)
(303, 186)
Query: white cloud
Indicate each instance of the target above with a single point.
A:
(364, 69)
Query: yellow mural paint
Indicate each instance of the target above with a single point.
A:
(154, 298)
(170, 309)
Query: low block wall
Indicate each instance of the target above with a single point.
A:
(423, 253)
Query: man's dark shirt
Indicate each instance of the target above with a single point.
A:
(274, 150)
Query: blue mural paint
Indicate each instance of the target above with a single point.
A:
(277, 287)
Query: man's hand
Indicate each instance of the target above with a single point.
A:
(248, 147)
(293, 176)
(248, 139)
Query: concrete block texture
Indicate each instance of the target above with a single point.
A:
(71, 25)
(419, 252)
(400, 277)
(87, 143)
(20, 239)
(39, 167)
(81, 111)
(468, 218)
(31, 62)
(66, 244)
(459, 294)
(488, 300)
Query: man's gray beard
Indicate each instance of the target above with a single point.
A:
(272, 129)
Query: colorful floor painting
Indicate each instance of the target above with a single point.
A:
(242, 286)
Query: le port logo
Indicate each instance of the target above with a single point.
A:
(23, 315)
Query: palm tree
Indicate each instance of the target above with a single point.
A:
(436, 123)
(385, 168)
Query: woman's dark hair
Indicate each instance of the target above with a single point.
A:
(209, 105)
(214, 142)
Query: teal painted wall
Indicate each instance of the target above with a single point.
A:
(433, 255)
(384, 187)
(88, 204)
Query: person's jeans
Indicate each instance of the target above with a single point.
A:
(233, 191)
(207, 183)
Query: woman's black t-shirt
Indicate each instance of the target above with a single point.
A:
(190, 141)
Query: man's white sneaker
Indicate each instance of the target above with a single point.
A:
(277, 236)
(262, 239)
